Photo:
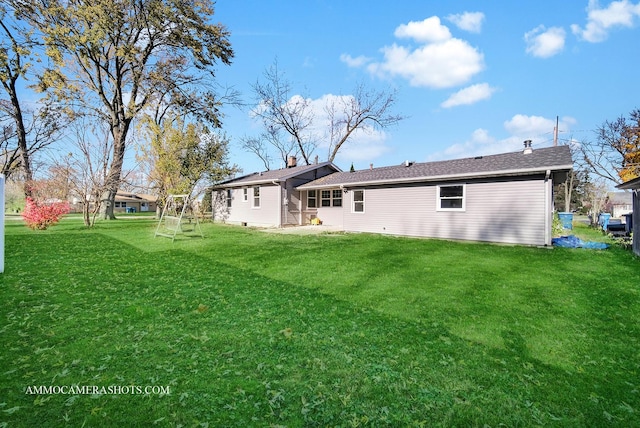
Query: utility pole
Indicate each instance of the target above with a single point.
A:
(555, 133)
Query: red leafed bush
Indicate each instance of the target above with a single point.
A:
(39, 216)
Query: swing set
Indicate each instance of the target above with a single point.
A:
(178, 217)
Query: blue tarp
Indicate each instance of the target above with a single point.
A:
(573, 241)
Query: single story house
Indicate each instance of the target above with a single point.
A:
(269, 198)
(634, 186)
(504, 198)
(619, 203)
(128, 202)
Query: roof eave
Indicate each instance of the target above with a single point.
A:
(447, 177)
(630, 185)
(237, 183)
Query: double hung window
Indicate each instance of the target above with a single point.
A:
(256, 197)
(451, 198)
(311, 199)
(358, 201)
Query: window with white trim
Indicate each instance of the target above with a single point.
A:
(311, 199)
(229, 193)
(245, 194)
(451, 198)
(256, 197)
(358, 201)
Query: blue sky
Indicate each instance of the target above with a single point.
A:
(472, 77)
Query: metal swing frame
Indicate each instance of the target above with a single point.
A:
(170, 213)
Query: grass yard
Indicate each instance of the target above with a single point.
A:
(253, 329)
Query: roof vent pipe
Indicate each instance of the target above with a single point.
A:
(527, 147)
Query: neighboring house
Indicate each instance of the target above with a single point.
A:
(620, 203)
(132, 202)
(634, 186)
(269, 198)
(505, 198)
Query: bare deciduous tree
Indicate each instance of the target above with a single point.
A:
(88, 166)
(615, 154)
(293, 125)
(282, 112)
(365, 109)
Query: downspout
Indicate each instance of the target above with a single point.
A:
(343, 190)
(300, 207)
(277, 183)
(547, 209)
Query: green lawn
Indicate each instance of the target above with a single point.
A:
(253, 329)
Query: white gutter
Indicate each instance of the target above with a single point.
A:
(509, 172)
(249, 183)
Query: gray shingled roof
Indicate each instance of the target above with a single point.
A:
(516, 163)
(620, 198)
(277, 175)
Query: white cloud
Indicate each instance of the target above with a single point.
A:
(436, 65)
(520, 127)
(429, 30)
(468, 21)
(439, 61)
(356, 62)
(529, 126)
(469, 95)
(544, 43)
(600, 21)
(363, 147)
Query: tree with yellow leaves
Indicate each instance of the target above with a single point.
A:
(178, 155)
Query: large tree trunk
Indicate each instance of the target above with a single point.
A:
(23, 149)
(112, 181)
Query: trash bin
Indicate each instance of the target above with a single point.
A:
(604, 220)
(566, 219)
(628, 223)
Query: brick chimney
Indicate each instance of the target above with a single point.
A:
(291, 162)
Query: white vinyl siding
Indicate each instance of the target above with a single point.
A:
(501, 211)
(266, 216)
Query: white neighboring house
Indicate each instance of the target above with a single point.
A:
(621, 203)
(268, 198)
(504, 198)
